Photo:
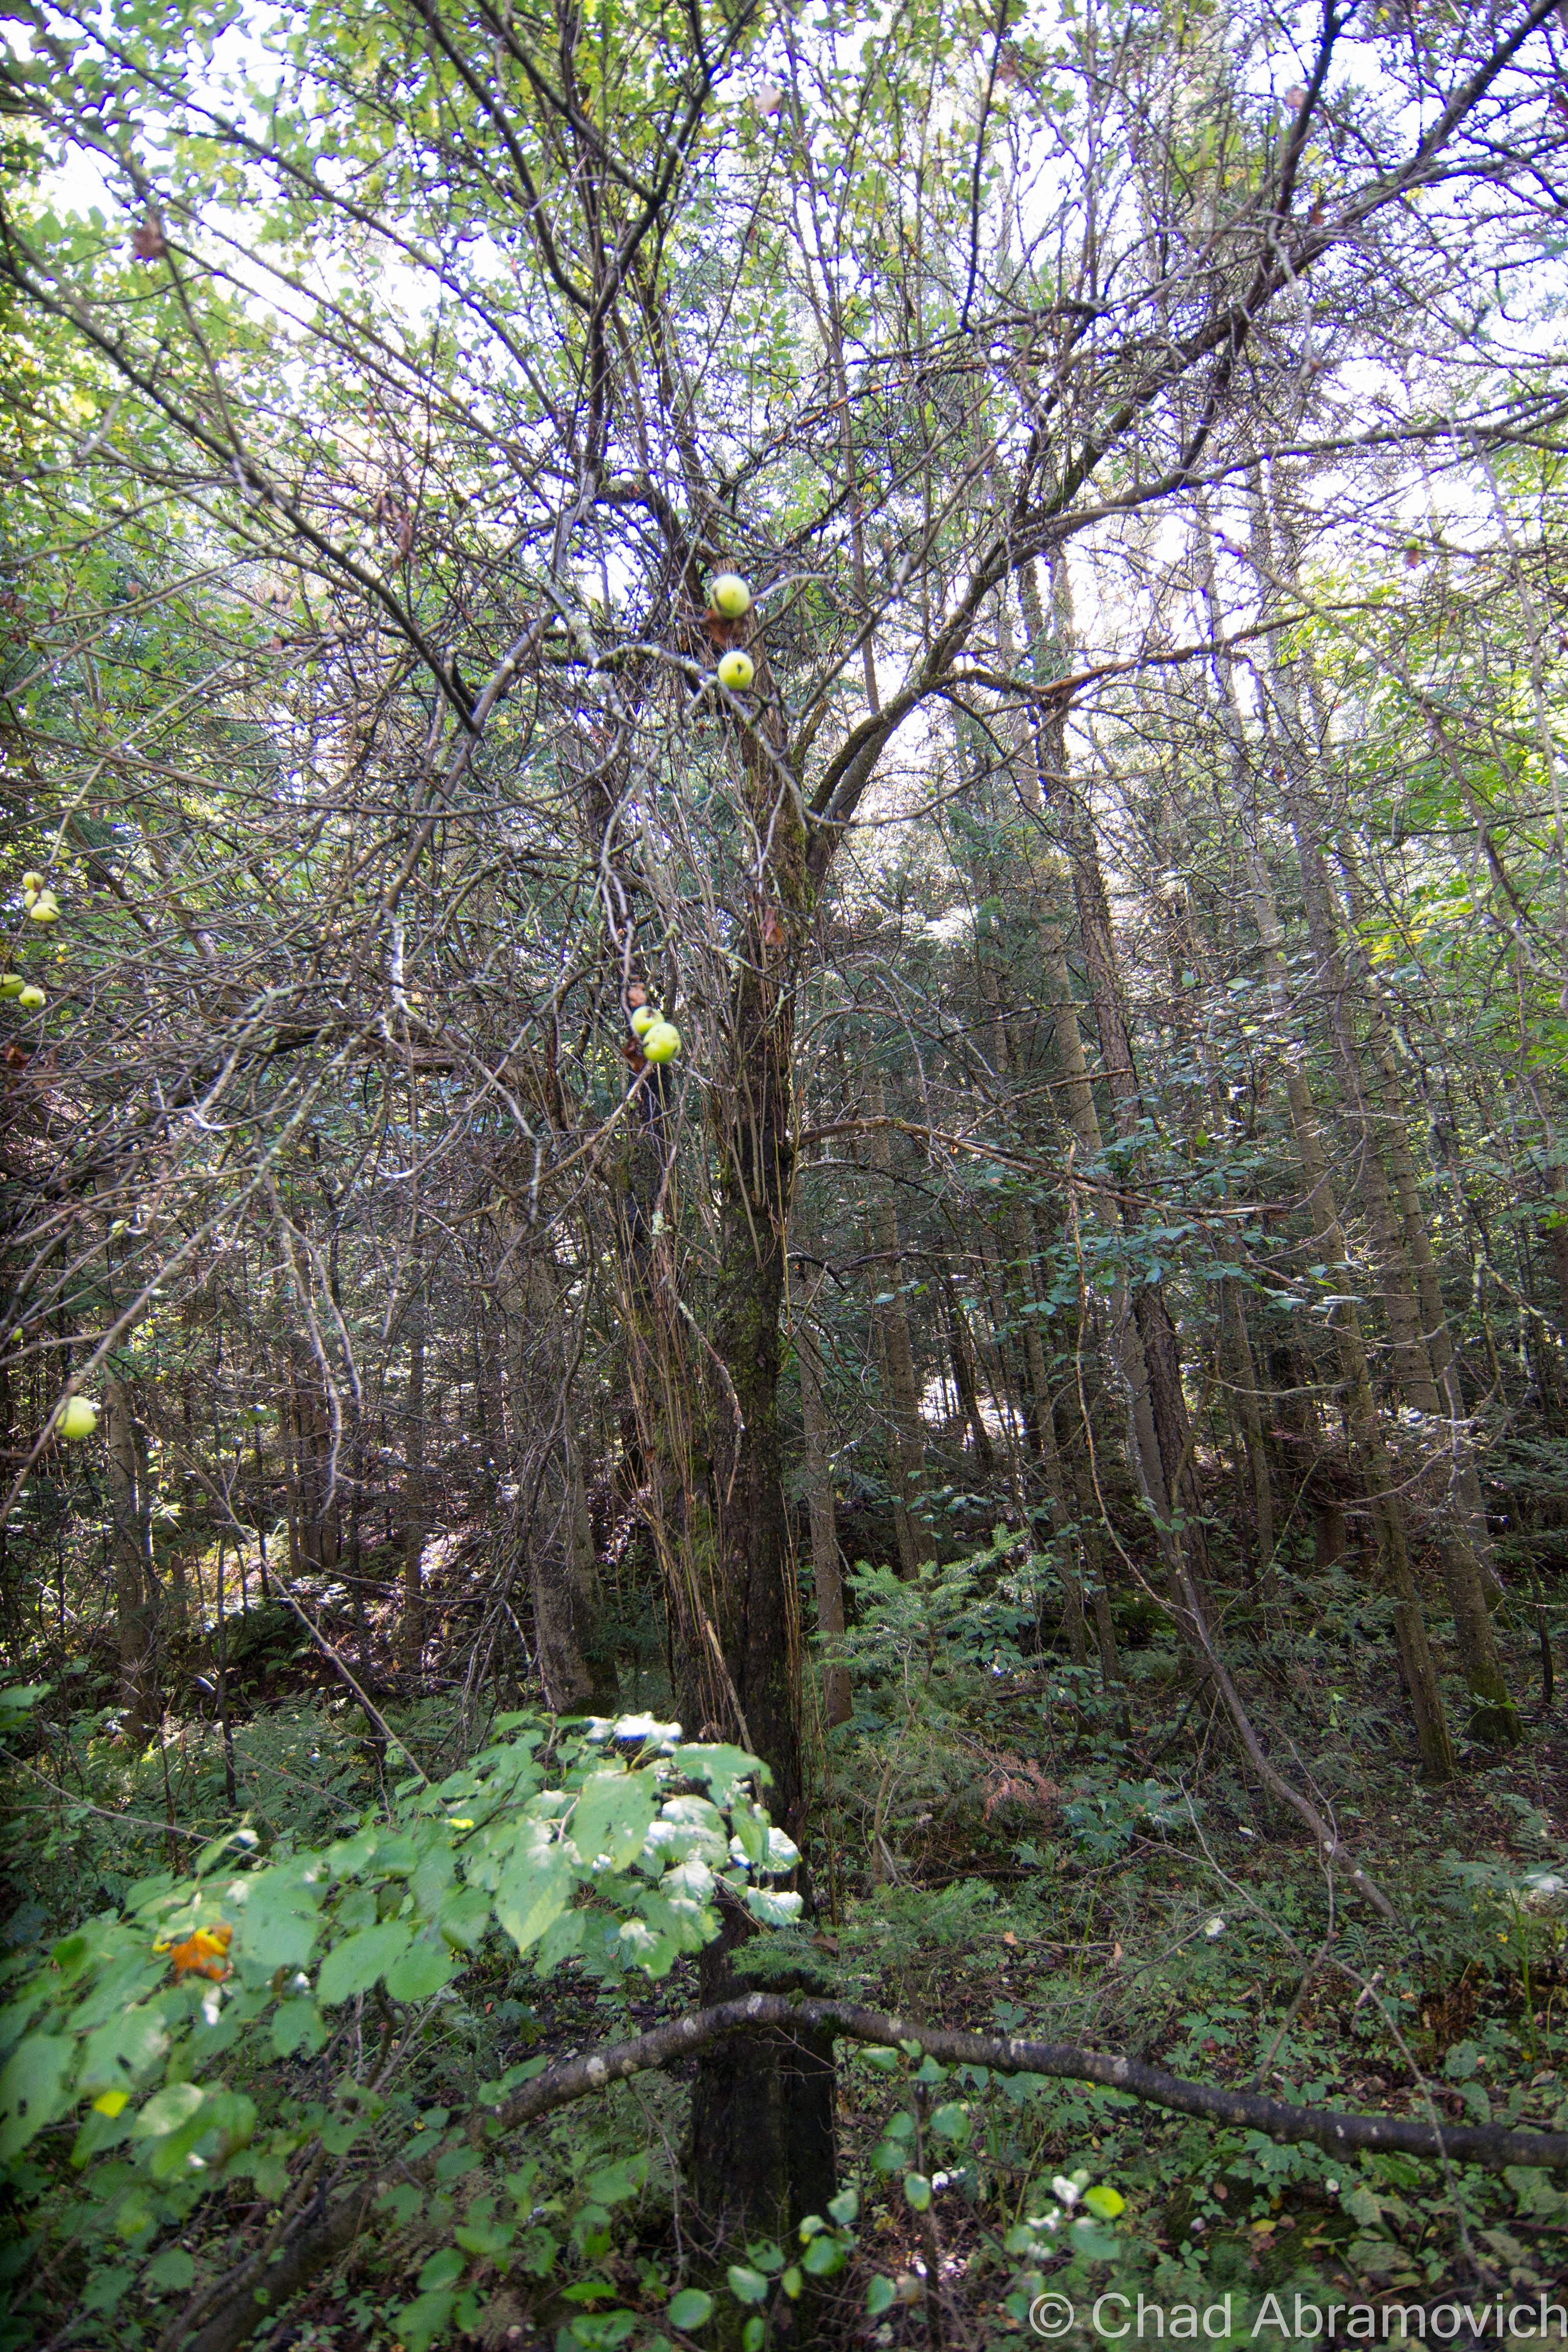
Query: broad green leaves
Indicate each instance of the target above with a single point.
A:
(356, 1965)
(135, 2016)
(32, 2089)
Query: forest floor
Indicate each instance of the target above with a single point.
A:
(1041, 1875)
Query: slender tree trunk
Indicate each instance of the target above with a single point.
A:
(1328, 1240)
(838, 1705)
(1556, 1226)
(906, 1446)
(287, 1430)
(135, 1604)
(1493, 1717)
(960, 1355)
(411, 1622)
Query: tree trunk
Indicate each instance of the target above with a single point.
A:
(838, 1705)
(1327, 1238)
(960, 1355)
(762, 2153)
(411, 1622)
(1493, 1718)
(906, 1433)
(134, 1597)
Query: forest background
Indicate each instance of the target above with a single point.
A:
(1016, 1484)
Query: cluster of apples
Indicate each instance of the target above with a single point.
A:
(659, 1038)
(42, 907)
(732, 599)
(41, 903)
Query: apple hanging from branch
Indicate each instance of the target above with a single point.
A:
(76, 1418)
(730, 596)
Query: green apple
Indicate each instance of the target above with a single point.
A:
(730, 595)
(644, 1019)
(77, 1417)
(46, 907)
(34, 882)
(11, 984)
(662, 1042)
(736, 670)
(32, 1000)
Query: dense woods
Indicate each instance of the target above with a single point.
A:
(1002, 1498)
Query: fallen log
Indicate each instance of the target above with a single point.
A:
(254, 2294)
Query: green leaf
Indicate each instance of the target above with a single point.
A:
(32, 2089)
(444, 2267)
(794, 2281)
(722, 1768)
(1100, 2245)
(616, 2182)
(535, 1890)
(129, 2044)
(354, 1965)
(845, 2208)
(752, 2335)
(20, 1697)
(1104, 2203)
(485, 2237)
(952, 2123)
(747, 2285)
(772, 1907)
(419, 2323)
(751, 1833)
(613, 1816)
(916, 2190)
(881, 2296)
(276, 1924)
(172, 2272)
(690, 2308)
(560, 1940)
(463, 1917)
(825, 2255)
(424, 1969)
(298, 2025)
(104, 2288)
(170, 2111)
